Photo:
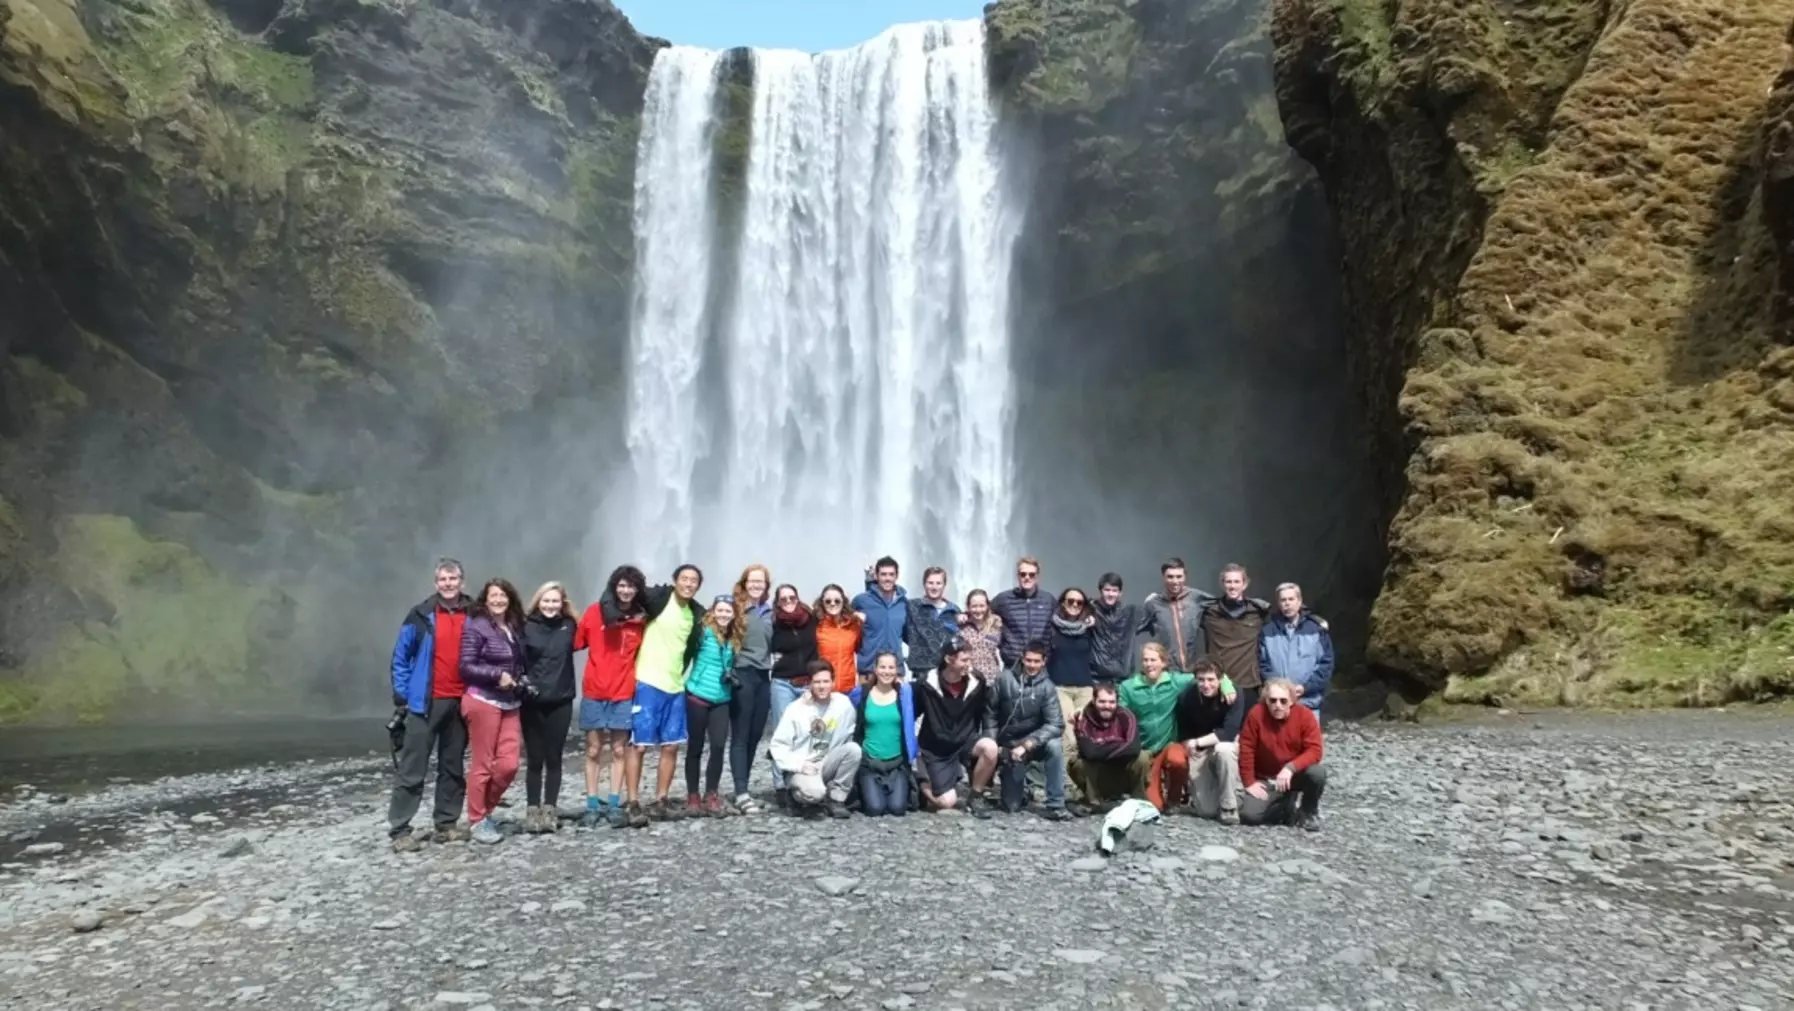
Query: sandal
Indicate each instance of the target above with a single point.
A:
(746, 804)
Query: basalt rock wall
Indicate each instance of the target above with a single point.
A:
(296, 295)
(1177, 335)
(1565, 231)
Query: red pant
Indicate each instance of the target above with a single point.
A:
(1168, 782)
(493, 739)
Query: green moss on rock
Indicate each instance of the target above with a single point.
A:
(164, 626)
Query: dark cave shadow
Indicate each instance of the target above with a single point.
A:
(1729, 324)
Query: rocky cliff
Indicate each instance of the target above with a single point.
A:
(1565, 230)
(273, 272)
(1178, 341)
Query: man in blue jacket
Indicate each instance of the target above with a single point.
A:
(1295, 645)
(883, 609)
(426, 684)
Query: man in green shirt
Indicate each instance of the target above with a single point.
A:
(1151, 696)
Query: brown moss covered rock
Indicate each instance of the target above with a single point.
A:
(1562, 224)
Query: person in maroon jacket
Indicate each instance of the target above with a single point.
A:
(1280, 761)
(1107, 767)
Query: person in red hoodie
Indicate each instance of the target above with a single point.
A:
(610, 632)
(1280, 761)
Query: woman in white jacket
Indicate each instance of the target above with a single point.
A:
(813, 745)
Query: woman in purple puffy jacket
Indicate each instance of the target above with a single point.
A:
(492, 667)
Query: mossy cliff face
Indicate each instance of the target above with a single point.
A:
(1565, 227)
(1177, 344)
(273, 273)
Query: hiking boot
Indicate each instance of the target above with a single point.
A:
(783, 796)
(616, 816)
(452, 833)
(836, 809)
(551, 819)
(1076, 810)
(532, 820)
(486, 833)
(634, 816)
(670, 810)
(405, 842)
(1230, 816)
(1308, 822)
(694, 805)
(1056, 814)
(591, 817)
(656, 809)
(978, 806)
(713, 806)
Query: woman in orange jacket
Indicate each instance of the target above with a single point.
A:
(838, 632)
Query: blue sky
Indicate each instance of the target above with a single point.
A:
(810, 25)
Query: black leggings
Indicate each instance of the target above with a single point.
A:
(748, 709)
(544, 742)
(705, 720)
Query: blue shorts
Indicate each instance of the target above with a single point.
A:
(596, 715)
(659, 717)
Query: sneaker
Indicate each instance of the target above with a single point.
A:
(405, 843)
(1230, 816)
(694, 806)
(1308, 822)
(486, 833)
(836, 809)
(634, 816)
(713, 806)
(452, 833)
(1056, 814)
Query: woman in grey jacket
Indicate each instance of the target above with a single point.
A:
(751, 700)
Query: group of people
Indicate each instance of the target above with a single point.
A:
(881, 701)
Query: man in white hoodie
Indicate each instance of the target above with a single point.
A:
(813, 744)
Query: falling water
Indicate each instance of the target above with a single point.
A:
(863, 359)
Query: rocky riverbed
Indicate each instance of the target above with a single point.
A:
(1556, 863)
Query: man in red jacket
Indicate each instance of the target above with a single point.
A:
(1280, 761)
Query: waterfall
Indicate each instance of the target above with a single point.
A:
(861, 400)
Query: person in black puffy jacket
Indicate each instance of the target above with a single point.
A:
(1026, 610)
(548, 634)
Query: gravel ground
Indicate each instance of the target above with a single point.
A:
(1549, 864)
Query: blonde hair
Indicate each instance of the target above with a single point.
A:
(535, 600)
(1159, 648)
(1288, 686)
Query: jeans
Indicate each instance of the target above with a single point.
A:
(544, 745)
(1302, 797)
(783, 694)
(444, 729)
(1013, 775)
(884, 792)
(748, 708)
(706, 723)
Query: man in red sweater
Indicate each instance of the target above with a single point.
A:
(1280, 761)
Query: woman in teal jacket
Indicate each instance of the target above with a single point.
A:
(707, 691)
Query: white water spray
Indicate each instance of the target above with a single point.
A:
(864, 361)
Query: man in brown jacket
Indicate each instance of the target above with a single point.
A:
(1231, 625)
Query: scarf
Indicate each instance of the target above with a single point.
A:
(798, 617)
(1070, 626)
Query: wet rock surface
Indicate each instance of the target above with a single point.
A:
(1638, 863)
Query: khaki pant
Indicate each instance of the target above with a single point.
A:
(833, 779)
(1072, 702)
(1106, 782)
(1209, 780)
